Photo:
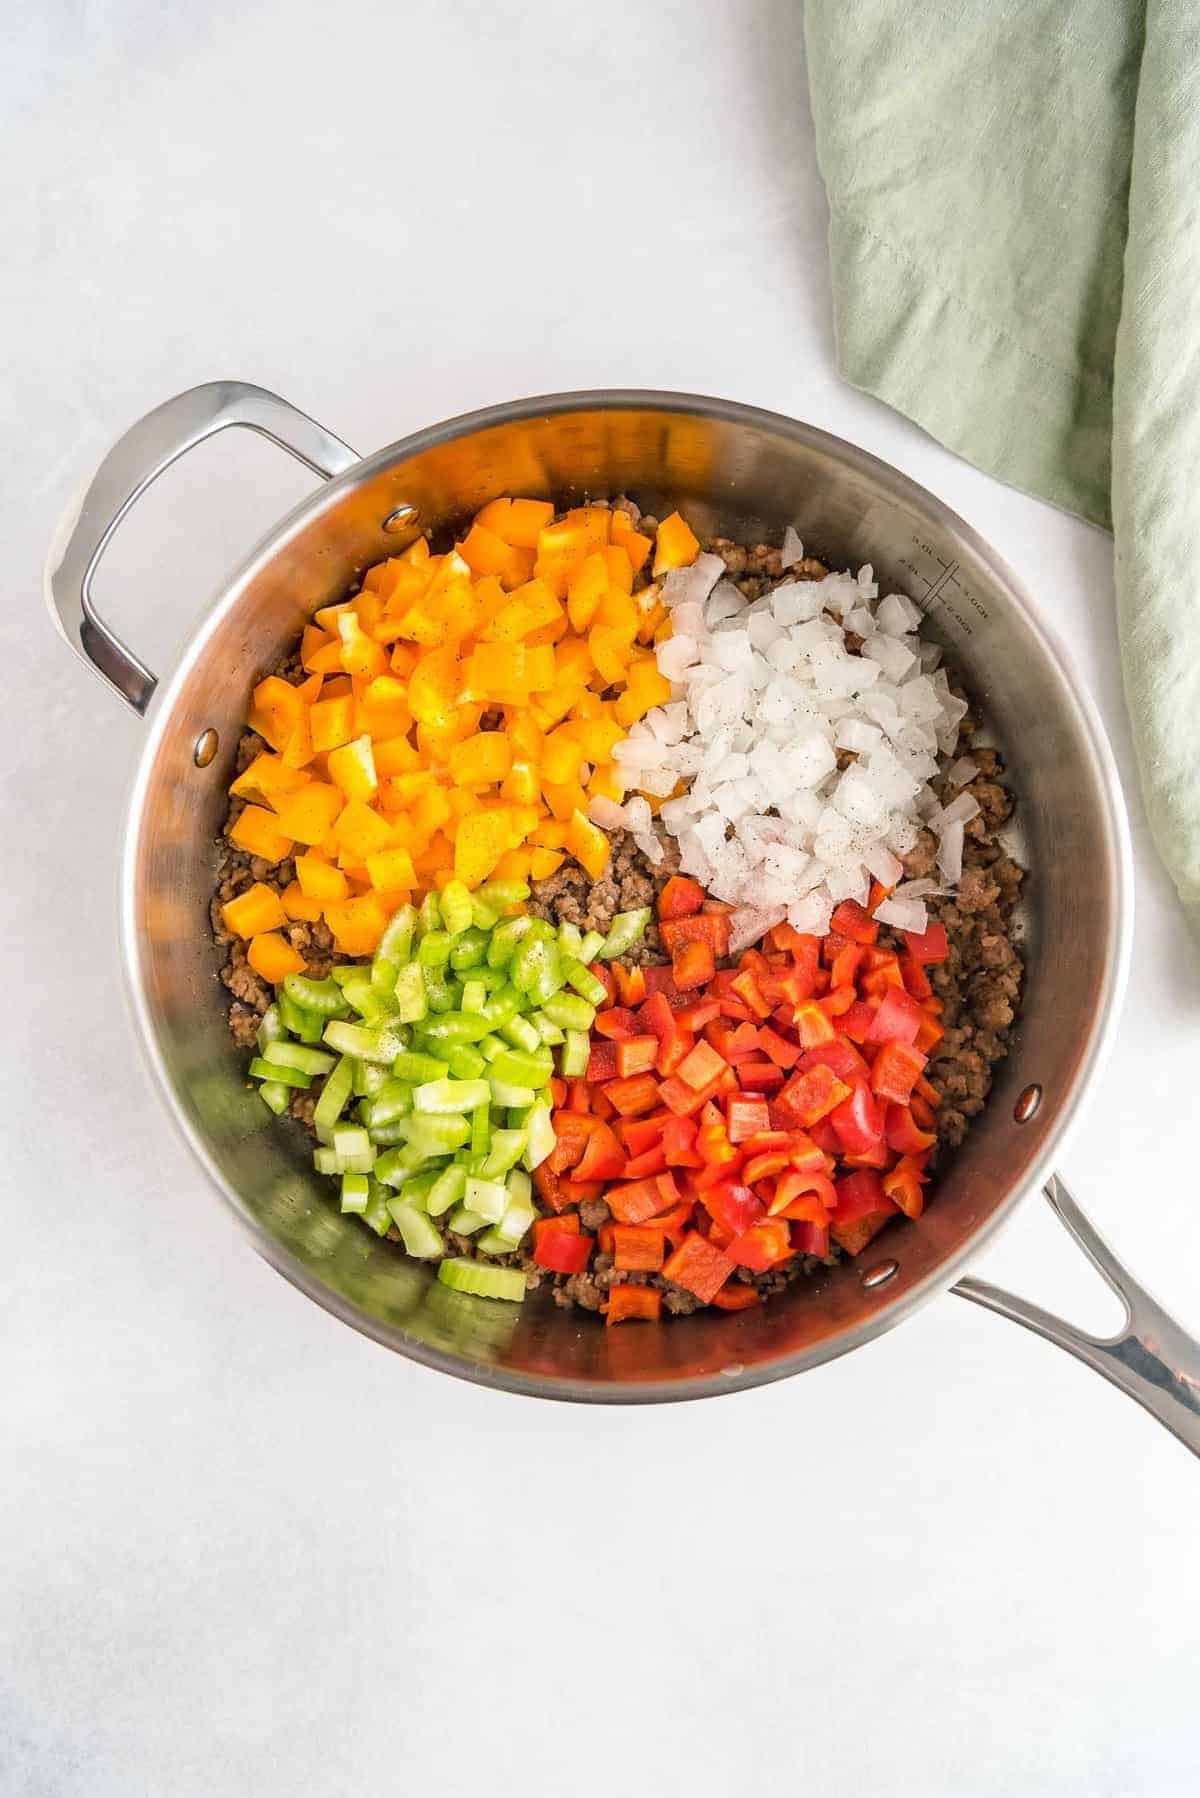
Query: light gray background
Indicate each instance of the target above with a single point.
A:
(241, 1549)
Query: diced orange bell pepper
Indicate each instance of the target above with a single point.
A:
(481, 760)
(268, 774)
(258, 832)
(433, 687)
(361, 832)
(273, 957)
(352, 768)
(563, 800)
(587, 588)
(392, 871)
(395, 755)
(381, 709)
(514, 864)
(357, 924)
(256, 910)
(562, 756)
(518, 521)
(275, 710)
(431, 810)
(588, 844)
(521, 784)
(296, 907)
(331, 722)
(319, 881)
(611, 649)
(676, 545)
(645, 688)
(527, 610)
(479, 843)
(544, 862)
(308, 815)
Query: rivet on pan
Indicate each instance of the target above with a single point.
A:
(400, 520)
(880, 1274)
(1027, 1103)
(207, 744)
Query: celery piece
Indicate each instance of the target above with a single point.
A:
(275, 1096)
(520, 1186)
(441, 994)
(307, 1025)
(569, 1010)
(574, 1055)
(455, 905)
(324, 996)
(626, 929)
(464, 1062)
(516, 1117)
(268, 1070)
(334, 1096)
(474, 994)
(370, 1045)
(519, 1214)
(347, 970)
(521, 1033)
(481, 1128)
(409, 994)
(377, 1217)
(299, 1055)
(457, 1096)
(520, 1067)
(506, 939)
(418, 1235)
(569, 938)
(534, 961)
(486, 1282)
(541, 1136)
(393, 1100)
(430, 915)
(490, 1046)
(503, 1093)
(417, 1188)
(271, 1029)
(502, 1005)
(440, 1134)
(483, 915)
(395, 948)
(354, 1149)
(447, 1189)
(503, 892)
(488, 1198)
(399, 1164)
(456, 1027)
(433, 950)
(494, 1242)
(590, 947)
(408, 1066)
(465, 1221)
(585, 983)
(507, 1148)
(356, 1191)
(470, 949)
(547, 1032)
(325, 1160)
(385, 1136)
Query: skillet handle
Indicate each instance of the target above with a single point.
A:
(133, 463)
(1152, 1359)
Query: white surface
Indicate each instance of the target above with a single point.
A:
(242, 1549)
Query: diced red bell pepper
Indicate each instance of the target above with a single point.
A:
(916, 980)
(746, 1117)
(929, 1035)
(715, 1233)
(713, 1144)
(601, 971)
(626, 1302)
(763, 1245)
(680, 897)
(637, 1201)
(812, 1025)
(898, 1018)
(736, 1295)
(791, 1187)
(638, 1248)
(698, 1266)
(733, 1206)
(701, 1066)
(578, 1192)
(856, 1021)
(679, 1142)
(657, 979)
(826, 1137)
(602, 1062)
(693, 965)
(636, 1055)
(844, 968)
(674, 1223)
(578, 1096)
(924, 1115)
(618, 1021)
(701, 927)
(602, 1158)
(895, 1070)
(765, 1165)
(568, 1221)
(810, 1239)
(883, 978)
(562, 1251)
(858, 1195)
(785, 1055)
(903, 1133)
(932, 946)
(745, 987)
(878, 1156)
(640, 1133)
(760, 1076)
(651, 1161)
(631, 984)
(657, 1017)
(630, 1097)
(682, 1099)
(903, 1188)
(812, 1095)
(558, 1093)
(859, 1120)
(839, 1055)
(572, 1133)
(852, 920)
(602, 1105)
(549, 1187)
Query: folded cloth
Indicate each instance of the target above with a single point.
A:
(1014, 191)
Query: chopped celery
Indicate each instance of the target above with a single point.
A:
(464, 1062)
(507, 1148)
(521, 1033)
(520, 1067)
(447, 1189)
(456, 907)
(442, 994)
(541, 1136)
(399, 1164)
(626, 929)
(483, 915)
(370, 1077)
(481, 1129)
(506, 939)
(298, 1055)
(570, 938)
(430, 915)
(409, 994)
(408, 1066)
(534, 961)
(346, 971)
(275, 1096)
(395, 947)
(307, 1025)
(488, 1198)
(324, 996)
(456, 1027)
(585, 982)
(377, 1216)
(393, 1100)
(353, 1148)
(369, 1045)
(386, 1135)
(450, 1096)
(418, 1235)
(465, 1222)
(590, 947)
(566, 1009)
(433, 950)
(490, 1046)
(470, 948)
(573, 1059)
(325, 1160)
(464, 1275)
(511, 1096)
(474, 995)
(494, 1242)
(520, 1186)
(334, 1095)
(504, 1004)
(548, 1032)
(269, 1070)
(416, 1190)
(356, 1191)
(503, 892)
(437, 1135)
(271, 1030)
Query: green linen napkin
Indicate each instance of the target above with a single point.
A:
(1014, 190)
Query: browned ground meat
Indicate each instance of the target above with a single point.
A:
(979, 984)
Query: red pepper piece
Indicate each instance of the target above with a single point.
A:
(784, 1054)
(929, 1034)
(844, 968)
(601, 971)
(733, 1206)
(638, 1248)
(572, 1132)
(698, 1266)
(736, 1295)
(617, 1022)
(657, 1017)
(745, 986)
(602, 1158)
(682, 1099)
(658, 980)
(895, 1070)
(859, 1120)
(549, 1187)
(746, 1117)
(898, 1019)
(679, 1142)
(693, 965)
(852, 920)
(631, 984)
(856, 1021)
(698, 1017)
(839, 1055)
(812, 1025)
(763, 1245)
(637, 1201)
(916, 980)
(928, 1092)
(636, 1055)
(923, 1114)
(810, 1239)
(680, 897)
(810, 1096)
(701, 1066)
(641, 1133)
(702, 927)
(760, 1076)
(883, 978)
(602, 1062)
(569, 1222)
(930, 947)
(562, 1251)
(792, 1187)
(626, 1302)
(651, 1161)
(630, 1097)
(576, 1192)
(904, 1189)
(859, 1194)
